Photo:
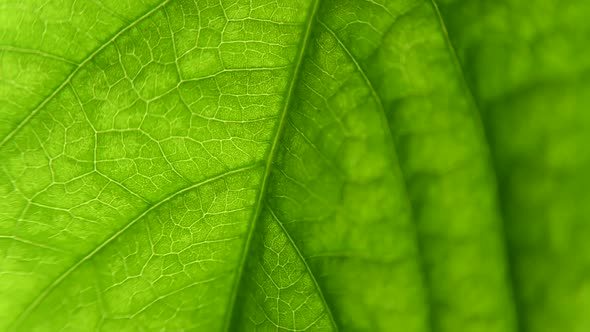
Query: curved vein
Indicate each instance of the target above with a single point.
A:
(272, 154)
(39, 299)
(75, 71)
(389, 133)
(479, 123)
(307, 268)
(357, 65)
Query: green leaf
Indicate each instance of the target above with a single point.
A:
(290, 165)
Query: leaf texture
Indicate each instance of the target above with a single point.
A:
(293, 165)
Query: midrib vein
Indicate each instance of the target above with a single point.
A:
(269, 162)
(89, 58)
(478, 120)
(41, 297)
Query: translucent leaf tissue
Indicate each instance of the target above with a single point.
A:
(295, 165)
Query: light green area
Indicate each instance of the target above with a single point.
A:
(293, 165)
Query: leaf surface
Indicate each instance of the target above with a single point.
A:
(289, 165)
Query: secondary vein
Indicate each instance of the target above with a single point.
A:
(307, 268)
(89, 58)
(479, 123)
(39, 299)
(391, 141)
